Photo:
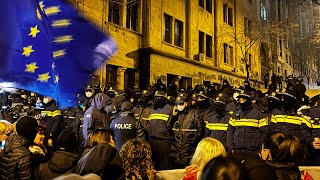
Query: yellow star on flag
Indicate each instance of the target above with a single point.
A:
(44, 77)
(31, 67)
(34, 31)
(27, 51)
(52, 10)
(38, 14)
(56, 79)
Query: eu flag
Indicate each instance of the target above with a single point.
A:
(47, 48)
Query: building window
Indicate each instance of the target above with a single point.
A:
(178, 33)
(114, 12)
(209, 6)
(263, 12)
(247, 26)
(201, 42)
(132, 16)
(227, 14)
(208, 46)
(228, 54)
(201, 3)
(167, 28)
(111, 76)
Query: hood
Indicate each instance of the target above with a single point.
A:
(62, 161)
(100, 101)
(15, 141)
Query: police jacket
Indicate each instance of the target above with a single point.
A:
(188, 130)
(159, 127)
(311, 125)
(16, 161)
(52, 119)
(232, 107)
(124, 128)
(73, 118)
(247, 130)
(217, 126)
(142, 114)
(289, 123)
(95, 117)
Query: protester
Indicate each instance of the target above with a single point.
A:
(207, 149)
(64, 160)
(136, 158)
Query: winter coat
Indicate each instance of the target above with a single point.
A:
(188, 131)
(159, 127)
(247, 130)
(142, 114)
(124, 128)
(95, 117)
(16, 160)
(285, 171)
(61, 162)
(53, 120)
(103, 160)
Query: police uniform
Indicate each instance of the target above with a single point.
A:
(217, 124)
(159, 132)
(125, 126)
(247, 130)
(285, 119)
(188, 130)
(142, 113)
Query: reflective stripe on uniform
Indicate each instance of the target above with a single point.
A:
(248, 122)
(185, 130)
(156, 116)
(311, 123)
(287, 119)
(216, 126)
(51, 113)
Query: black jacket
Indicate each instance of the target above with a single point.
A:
(188, 131)
(217, 127)
(103, 160)
(124, 128)
(61, 162)
(285, 171)
(53, 120)
(95, 117)
(16, 161)
(159, 127)
(142, 114)
(247, 130)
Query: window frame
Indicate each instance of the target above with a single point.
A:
(167, 30)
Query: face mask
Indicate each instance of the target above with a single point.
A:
(89, 94)
(180, 107)
(246, 104)
(45, 100)
(235, 96)
(220, 108)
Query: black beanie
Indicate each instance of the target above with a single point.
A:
(66, 140)
(27, 127)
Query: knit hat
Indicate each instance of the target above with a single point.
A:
(66, 140)
(221, 98)
(27, 127)
(146, 92)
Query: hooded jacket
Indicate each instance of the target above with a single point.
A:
(103, 160)
(16, 161)
(61, 162)
(95, 117)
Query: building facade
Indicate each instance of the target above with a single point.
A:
(184, 42)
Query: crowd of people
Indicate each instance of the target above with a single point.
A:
(161, 133)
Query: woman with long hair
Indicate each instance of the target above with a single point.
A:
(136, 160)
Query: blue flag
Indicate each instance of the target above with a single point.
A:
(47, 48)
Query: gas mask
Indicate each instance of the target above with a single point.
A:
(89, 94)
